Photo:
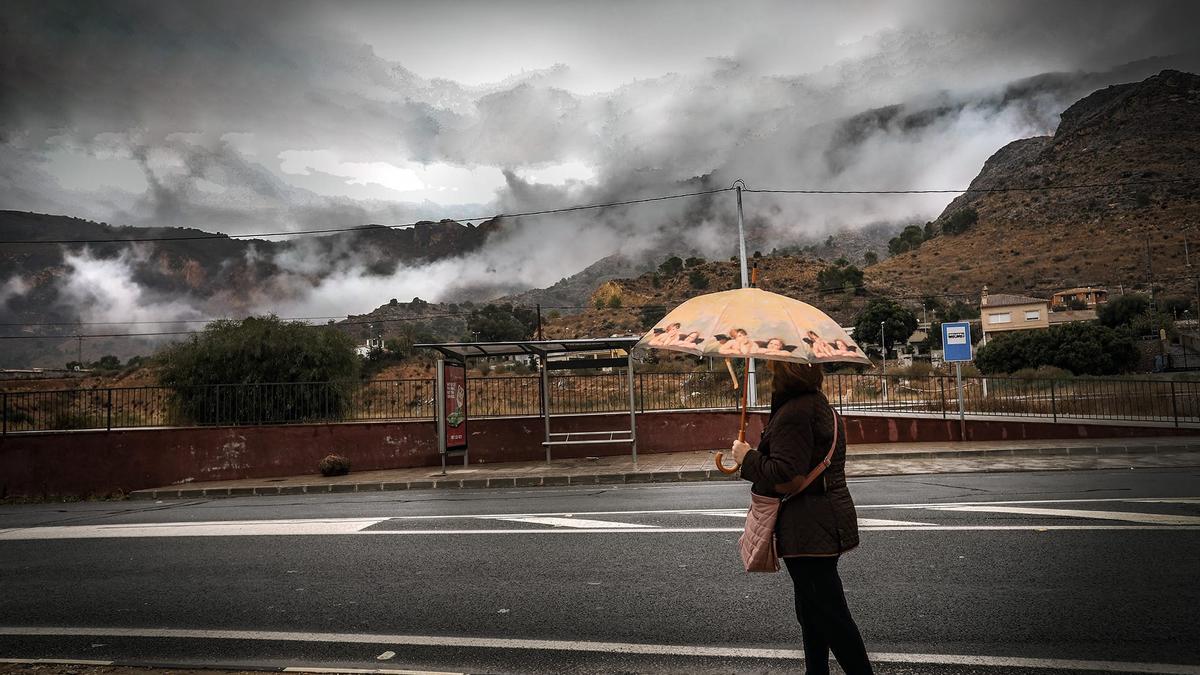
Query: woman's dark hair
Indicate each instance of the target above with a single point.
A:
(798, 378)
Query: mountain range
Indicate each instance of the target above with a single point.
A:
(1111, 198)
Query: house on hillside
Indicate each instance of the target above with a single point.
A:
(1003, 312)
(1078, 299)
(372, 344)
(1072, 316)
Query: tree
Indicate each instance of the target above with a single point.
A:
(697, 279)
(107, 362)
(693, 262)
(960, 220)
(842, 276)
(1121, 310)
(1174, 306)
(503, 323)
(671, 266)
(898, 322)
(870, 258)
(909, 239)
(1082, 348)
(261, 351)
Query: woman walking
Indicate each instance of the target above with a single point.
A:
(816, 525)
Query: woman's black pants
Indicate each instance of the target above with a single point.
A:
(824, 617)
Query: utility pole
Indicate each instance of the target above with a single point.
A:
(1150, 273)
(539, 321)
(1195, 277)
(752, 386)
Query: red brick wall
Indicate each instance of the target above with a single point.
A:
(97, 462)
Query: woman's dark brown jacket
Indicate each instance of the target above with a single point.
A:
(821, 520)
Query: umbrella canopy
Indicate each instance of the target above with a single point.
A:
(753, 323)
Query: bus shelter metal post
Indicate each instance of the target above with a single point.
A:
(962, 410)
(632, 408)
(546, 400)
(440, 406)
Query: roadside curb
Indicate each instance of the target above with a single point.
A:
(637, 477)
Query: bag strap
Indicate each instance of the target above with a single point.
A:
(791, 488)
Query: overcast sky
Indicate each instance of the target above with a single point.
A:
(279, 114)
(240, 116)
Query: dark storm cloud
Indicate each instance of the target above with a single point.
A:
(783, 102)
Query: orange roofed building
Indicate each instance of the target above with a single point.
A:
(1002, 312)
(1089, 297)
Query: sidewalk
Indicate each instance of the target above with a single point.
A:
(862, 460)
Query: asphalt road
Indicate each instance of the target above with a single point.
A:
(1029, 572)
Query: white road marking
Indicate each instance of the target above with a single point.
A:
(1132, 517)
(731, 513)
(224, 528)
(594, 647)
(871, 523)
(580, 523)
(1182, 500)
(376, 670)
(65, 662)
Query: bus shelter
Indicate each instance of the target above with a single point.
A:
(552, 355)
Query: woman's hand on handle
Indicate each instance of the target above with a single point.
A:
(739, 451)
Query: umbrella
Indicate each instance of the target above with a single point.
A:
(750, 323)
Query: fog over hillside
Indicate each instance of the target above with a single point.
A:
(251, 117)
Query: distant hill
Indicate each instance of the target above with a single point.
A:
(1038, 241)
(230, 276)
(633, 305)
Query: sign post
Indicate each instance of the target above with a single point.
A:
(956, 348)
(451, 401)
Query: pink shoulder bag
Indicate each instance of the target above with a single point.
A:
(757, 542)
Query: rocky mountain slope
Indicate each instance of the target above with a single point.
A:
(1137, 145)
(630, 306)
(47, 284)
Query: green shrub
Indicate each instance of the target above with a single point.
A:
(262, 358)
(960, 220)
(697, 279)
(1079, 348)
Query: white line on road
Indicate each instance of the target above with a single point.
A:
(594, 647)
(372, 670)
(580, 523)
(262, 529)
(1132, 517)
(65, 662)
(224, 528)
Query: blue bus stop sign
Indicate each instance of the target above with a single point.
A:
(956, 341)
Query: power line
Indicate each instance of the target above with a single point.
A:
(360, 228)
(1083, 186)
(585, 207)
(197, 332)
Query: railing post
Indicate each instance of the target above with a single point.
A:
(109, 406)
(1174, 404)
(942, 400)
(5, 413)
(1053, 402)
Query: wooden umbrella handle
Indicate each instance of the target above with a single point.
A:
(741, 427)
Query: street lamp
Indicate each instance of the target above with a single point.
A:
(883, 346)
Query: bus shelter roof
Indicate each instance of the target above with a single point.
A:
(461, 351)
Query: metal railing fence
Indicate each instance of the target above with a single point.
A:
(1134, 400)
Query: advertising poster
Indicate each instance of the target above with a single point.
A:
(456, 406)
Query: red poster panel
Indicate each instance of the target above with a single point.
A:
(456, 406)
